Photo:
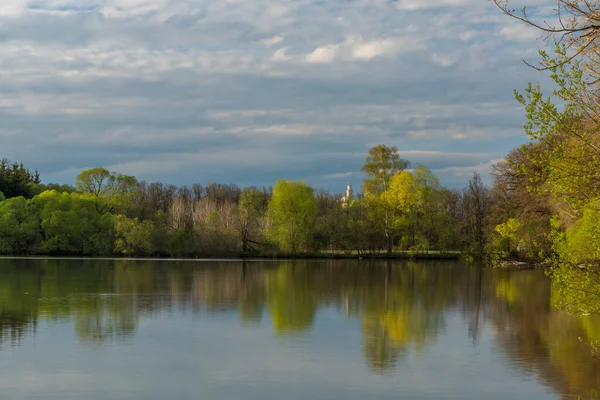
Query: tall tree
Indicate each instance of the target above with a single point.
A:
(381, 164)
(96, 181)
(476, 203)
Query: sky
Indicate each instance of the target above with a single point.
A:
(251, 91)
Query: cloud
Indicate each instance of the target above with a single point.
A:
(443, 60)
(339, 175)
(468, 35)
(12, 8)
(272, 41)
(255, 90)
(280, 55)
(519, 33)
(421, 4)
(361, 50)
(465, 173)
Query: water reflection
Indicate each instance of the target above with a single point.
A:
(402, 308)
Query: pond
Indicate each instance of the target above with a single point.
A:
(124, 329)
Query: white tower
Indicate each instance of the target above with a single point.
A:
(348, 192)
(348, 197)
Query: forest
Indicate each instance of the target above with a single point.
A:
(400, 211)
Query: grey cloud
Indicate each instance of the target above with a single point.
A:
(187, 91)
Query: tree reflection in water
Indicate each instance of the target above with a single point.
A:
(402, 307)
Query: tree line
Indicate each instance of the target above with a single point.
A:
(108, 213)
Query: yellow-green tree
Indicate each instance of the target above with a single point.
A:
(74, 223)
(292, 213)
(403, 201)
(117, 189)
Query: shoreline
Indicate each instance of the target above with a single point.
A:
(519, 264)
(253, 257)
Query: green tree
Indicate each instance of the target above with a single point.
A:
(96, 181)
(16, 180)
(433, 225)
(19, 227)
(292, 213)
(568, 154)
(118, 189)
(75, 223)
(181, 243)
(133, 237)
(365, 226)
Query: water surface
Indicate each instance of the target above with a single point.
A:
(119, 329)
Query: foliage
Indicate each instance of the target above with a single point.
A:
(181, 243)
(16, 180)
(133, 237)
(568, 154)
(582, 239)
(403, 201)
(509, 236)
(381, 164)
(292, 213)
(433, 223)
(117, 189)
(560, 167)
(74, 223)
(577, 288)
(19, 226)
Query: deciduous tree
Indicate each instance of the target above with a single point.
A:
(292, 213)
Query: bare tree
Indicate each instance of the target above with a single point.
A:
(476, 201)
(577, 26)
